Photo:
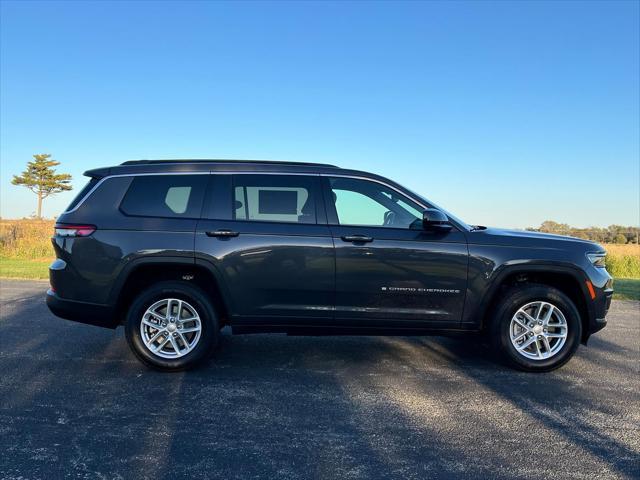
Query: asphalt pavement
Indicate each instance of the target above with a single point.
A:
(75, 403)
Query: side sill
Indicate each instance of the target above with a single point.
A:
(337, 331)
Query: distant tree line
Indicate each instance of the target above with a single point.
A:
(611, 234)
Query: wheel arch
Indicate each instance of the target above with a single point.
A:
(568, 280)
(144, 272)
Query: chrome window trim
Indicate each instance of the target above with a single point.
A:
(420, 202)
(103, 179)
(77, 205)
(231, 172)
(375, 180)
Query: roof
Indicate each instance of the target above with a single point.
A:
(219, 161)
(203, 165)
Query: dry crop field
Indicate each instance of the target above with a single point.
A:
(25, 252)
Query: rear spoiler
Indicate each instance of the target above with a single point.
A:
(98, 173)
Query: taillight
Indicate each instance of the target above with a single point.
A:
(69, 230)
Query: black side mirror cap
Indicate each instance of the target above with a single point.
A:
(433, 219)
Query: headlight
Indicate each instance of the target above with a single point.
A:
(597, 259)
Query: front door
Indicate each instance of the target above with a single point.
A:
(390, 272)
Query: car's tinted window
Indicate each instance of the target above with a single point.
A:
(83, 193)
(165, 196)
(275, 198)
(366, 203)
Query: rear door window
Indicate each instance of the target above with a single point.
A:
(275, 198)
(165, 196)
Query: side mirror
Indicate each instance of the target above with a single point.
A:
(435, 220)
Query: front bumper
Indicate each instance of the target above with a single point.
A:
(598, 307)
(83, 312)
(601, 310)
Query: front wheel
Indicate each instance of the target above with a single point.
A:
(536, 328)
(171, 326)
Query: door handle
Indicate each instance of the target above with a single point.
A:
(222, 233)
(356, 238)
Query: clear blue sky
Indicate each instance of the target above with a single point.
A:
(505, 113)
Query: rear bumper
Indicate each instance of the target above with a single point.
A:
(83, 312)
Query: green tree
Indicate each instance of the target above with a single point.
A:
(41, 178)
(549, 226)
(621, 238)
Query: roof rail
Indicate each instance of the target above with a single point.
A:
(214, 161)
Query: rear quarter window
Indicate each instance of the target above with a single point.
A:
(82, 194)
(169, 196)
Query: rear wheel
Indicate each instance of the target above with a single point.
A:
(172, 326)
(536, 328)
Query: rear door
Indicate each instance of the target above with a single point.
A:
(267, 237)
(389, 270)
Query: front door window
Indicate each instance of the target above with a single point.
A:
(364, 203)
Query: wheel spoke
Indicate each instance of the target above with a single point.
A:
(556, 335)
(155, 337)
(151, 324)
(526, 344)
(539, 310)
(184, 341)
(155, 315)
(523, 325)
(547, 345)
(190, 329)
(174, 344)
(527, 316)
(547, 317)
(160, 345)
(523, 334)
(556, 325)
(170, 307)
(538, 352)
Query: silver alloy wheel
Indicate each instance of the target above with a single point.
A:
(538, 330)
(170, 328)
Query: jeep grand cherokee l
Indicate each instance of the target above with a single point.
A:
(176, 250)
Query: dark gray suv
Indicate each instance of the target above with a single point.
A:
(176, 250)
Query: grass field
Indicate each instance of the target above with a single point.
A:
(26, 252)
(19, 268)
(626, 288)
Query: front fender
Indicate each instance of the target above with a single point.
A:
(484, 286)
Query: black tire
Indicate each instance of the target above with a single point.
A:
(195, 298)
(518, 297)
